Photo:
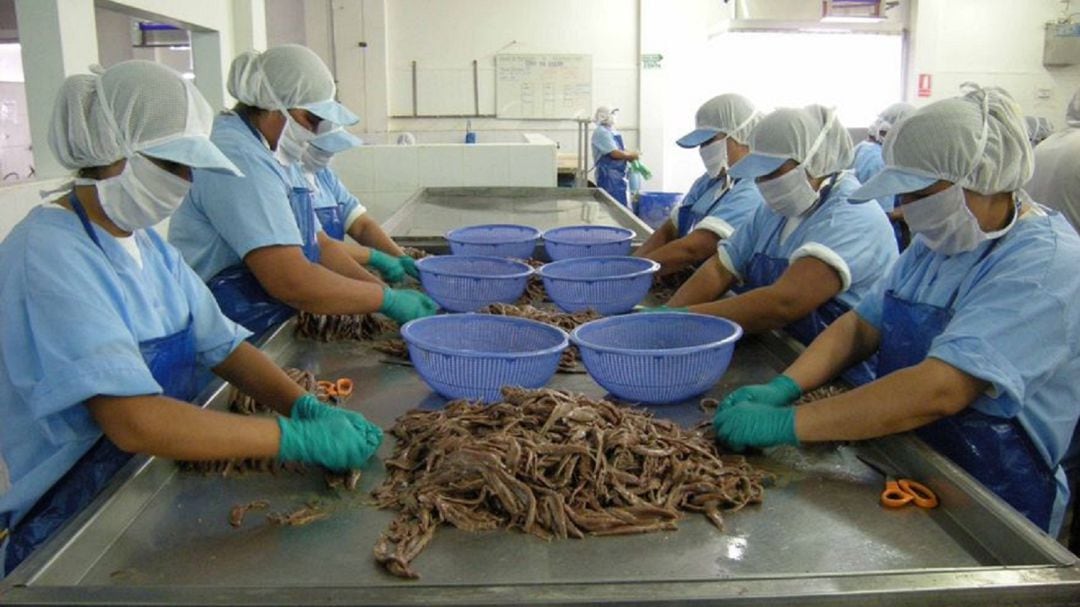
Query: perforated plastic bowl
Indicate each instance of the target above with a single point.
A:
(495, 239)
(466, 283)
(661, 357)
(474, 355)
(609, 285)
(587, 241)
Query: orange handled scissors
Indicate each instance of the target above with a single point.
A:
(903, 491)
(341, 388)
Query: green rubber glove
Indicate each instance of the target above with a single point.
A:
(409, 265)
(307, 407)
(751, 424)
(332, 441)
(781, 391)
(389, 267)
(404, 305)
(639, 167)
(664, 309)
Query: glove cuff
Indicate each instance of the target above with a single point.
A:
(791, 390)
(388, 297)
(304, 406)
(789, 427)
(378, 258)
(289, 449)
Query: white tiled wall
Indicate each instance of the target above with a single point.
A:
(384, 176)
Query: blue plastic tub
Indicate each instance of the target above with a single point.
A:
(661, 357)
(495, 239)
(587, 241)
(655, 207)
(609, 285)
(474, 355)
(466, 283)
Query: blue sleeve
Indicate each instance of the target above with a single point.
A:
(857, 241)
(1013, 327)
(65, 339)
(871, 305)
(340, 193)
(739, 204)
(740, 247)
(216, 336)
(252, 211)
(604, 141)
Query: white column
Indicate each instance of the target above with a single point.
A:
(58, 38)
(249, 25)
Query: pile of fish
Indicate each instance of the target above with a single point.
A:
(337, 327)
(534, 288)
(664, 287)
(552, 464)
(564, 320)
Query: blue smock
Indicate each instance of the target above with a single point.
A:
(1005, 313)
(81, 318)
(867, 163)
(335, 206)
(610, 173)
(225, 217)
(716, 204)
(855, 240)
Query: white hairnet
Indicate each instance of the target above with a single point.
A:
(891, 116)
(1038, 128)
(730, 113)
(604, 115)
(131, 107)
(794, 133)
(283, 77)
(977, 140)
(1072, 115)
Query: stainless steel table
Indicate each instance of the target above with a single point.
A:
(161, 536)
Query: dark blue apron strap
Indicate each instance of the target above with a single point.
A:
(77, 206)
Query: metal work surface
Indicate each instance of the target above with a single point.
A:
(162, 536)
(431, 212)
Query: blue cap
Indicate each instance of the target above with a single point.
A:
(335, 141)
(756, 165)
(195, 151)
(890, 182)
(333, 111)
(697, 137)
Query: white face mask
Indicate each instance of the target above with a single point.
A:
(315, 159)
(946, 224)
(790, 194)
(141, 196)
(714, 155)
(293, 141)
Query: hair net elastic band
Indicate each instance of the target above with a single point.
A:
(820, 138)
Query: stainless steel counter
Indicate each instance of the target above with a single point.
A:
(161, 536)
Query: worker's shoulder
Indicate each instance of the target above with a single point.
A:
(49, 242)
(1045, 247)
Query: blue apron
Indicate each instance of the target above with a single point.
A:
(688, 219)
(611, 174)
(764, 270)
(332, 220)
(997, 451)
(239, 293)
(171, 360)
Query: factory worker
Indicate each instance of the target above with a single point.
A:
(1038, 129)
(1056, 181)
(976, 328)
(610, 155)
(716, 204)
(338, 211)
(103, 326)
(807, 255)
(255, 239)
(867, 160)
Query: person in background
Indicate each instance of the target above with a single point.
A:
(255, 239)
(869, 162)
(1038, 129)
(976, 327)
(103, 325)
(338, 211)
(1056, 180)
(807, 256)
(610, 155)
(716, 204)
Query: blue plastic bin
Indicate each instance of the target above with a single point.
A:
(474, 355)
(587, 241)
(655, 207)
(609, 285)
(496, 240)
(466, 283)
(660, 357)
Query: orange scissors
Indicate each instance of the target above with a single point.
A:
(341, 388)
(903, 491)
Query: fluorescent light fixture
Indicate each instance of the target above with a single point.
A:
(852, 19)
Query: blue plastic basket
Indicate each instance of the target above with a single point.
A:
(466, 283)
(474, 355)
(654, 208)
(661, 357)
(495, 239)
(587, 241)
(609, 285)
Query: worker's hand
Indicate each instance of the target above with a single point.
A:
(635, 155)
(307, 407)
(389, 267)
(333, 441)
(409, 265)
(751, 424)
(781, 391)
(664, 309)
(404, 305)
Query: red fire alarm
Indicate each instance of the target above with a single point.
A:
(924, 85)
